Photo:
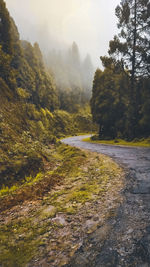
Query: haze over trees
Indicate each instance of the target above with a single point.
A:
(42, 102)
(73, 75)
(121, 93)
(33, 106)
(54, 198)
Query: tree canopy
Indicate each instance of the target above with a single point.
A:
(129, 54)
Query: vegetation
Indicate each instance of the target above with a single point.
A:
(40, 179)
(73, 76)
(31, 117)
(37, 231)
(145, 142)
(120, 100)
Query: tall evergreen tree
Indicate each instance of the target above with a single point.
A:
(132, 42)
(131, 46)
(108, 102)
(75, 55)
(5, 29)
(87, 74)
(7, 72)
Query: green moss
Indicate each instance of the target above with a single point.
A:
(70, 210)
(28, 182)
(87, 181)
(6, 190)
(16, 256)
(80, 196)
(21, 239)
(82, 185)
(18, 244)
(23, 94)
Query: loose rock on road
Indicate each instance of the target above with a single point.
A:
(128, 243)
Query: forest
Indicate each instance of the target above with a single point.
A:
(73, 77)
(59, 201)
(40, 102)
(120, 100)
(45, 98)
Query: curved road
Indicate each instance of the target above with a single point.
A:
(128, 242)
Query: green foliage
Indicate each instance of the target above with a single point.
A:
(143, 142)
(5, 190)
(29, 117)
(14, 254)
(23, 236)
(73, 77)
(132, 42)
(5, 29)
(23, 94)
(63, 122)
(25, 134)
(7, 73)
(28, 181)
(21, 159)
(120, 99)
(43, 91)
(144, 107)
(109, 102)
(132, 46)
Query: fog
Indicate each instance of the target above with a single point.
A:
(57, 23)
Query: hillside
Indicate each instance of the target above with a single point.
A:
(30, 114)
(65, 202)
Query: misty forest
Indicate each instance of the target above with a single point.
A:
(71, 135)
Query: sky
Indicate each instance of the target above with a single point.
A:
(57, 23)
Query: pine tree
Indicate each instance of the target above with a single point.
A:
(7, 72)
(132, 42)
(87, 74)
(131, 46)
(75, 56)
(5, 29)
(108, 102)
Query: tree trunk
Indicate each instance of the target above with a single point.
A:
(132, 112)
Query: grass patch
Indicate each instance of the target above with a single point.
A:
(120, 142)
(17, 245)
(85, 181)
(63, 163)
(28, 182)
(21, 239)
(86, 177)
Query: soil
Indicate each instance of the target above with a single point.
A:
(48, 229)
(124, 239)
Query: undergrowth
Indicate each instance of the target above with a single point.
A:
(143, 142)
(85, 177)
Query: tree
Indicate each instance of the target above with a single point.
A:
(87, 76)
(75, 55)
(5, 29)
(131, 46)
(7, 72)
(108, 102)
(132, 42)
(44, 92)
(144, 120)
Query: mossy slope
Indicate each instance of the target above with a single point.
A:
(49, 230)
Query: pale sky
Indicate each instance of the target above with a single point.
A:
(57, 23)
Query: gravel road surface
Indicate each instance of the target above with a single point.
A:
(128, 241)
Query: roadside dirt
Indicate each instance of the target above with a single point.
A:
(47, 231)
(128, 241)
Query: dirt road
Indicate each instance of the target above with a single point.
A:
(128, 241)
